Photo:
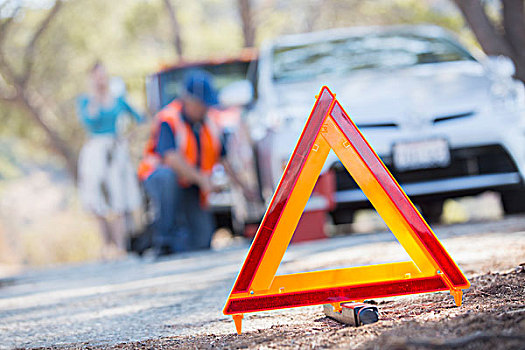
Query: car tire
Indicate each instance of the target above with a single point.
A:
(432, 211)
(342, 216)
(223, 220)
(513, 201)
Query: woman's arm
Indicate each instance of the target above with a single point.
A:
(138, 117)
(88, 113)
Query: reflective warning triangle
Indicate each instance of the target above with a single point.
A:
(257, 288)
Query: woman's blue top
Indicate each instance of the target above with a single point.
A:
(105, 120)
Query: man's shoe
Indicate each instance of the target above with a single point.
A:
(163, 251)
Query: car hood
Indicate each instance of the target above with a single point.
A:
(403, 96)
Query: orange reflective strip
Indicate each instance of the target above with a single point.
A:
(334, 295)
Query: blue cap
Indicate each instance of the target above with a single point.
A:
(199, 84)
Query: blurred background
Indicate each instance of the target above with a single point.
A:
(47, 47)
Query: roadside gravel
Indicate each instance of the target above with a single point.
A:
(175, 303)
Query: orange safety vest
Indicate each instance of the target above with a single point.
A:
(210, 143)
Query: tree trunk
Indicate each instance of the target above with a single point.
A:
(177, 41)
(248, 27)
(24, 101)
(490, 40)
(21, 94)
(511, 43)
(514, 25)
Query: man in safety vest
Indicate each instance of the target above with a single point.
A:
(183, 148)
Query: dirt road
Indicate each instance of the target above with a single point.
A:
(177, 303)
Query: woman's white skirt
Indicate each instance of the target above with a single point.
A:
(107, 180)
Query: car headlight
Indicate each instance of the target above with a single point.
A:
(278, 119)
(508, 93)
(287, 117)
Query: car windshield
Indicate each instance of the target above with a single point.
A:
(223, 74)
(374, 51)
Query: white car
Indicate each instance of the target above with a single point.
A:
(446, 122)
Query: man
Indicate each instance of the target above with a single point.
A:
(180, 155)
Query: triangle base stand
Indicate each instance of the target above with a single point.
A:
(271, 302)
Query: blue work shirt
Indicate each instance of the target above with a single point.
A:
(104, 121)
(166, 141)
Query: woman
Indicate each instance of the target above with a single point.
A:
(107, 182)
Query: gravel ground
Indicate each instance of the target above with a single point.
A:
(177, 303)
(493, 316)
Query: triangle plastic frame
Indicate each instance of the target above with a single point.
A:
(257, 288)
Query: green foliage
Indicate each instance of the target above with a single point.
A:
(298, 16)
(134, 38)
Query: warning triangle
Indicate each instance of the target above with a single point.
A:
(257, 288)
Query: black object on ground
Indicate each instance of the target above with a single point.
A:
(355, 314)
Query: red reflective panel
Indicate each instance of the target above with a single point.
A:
(338, 294)
(281, 195)
(398, 197)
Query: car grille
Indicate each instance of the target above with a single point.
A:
(436, 120)
(464, 162)
(445, 118)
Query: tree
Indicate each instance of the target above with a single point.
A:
(247, 22)
(177, 41)
(504, 38)
(15, 87)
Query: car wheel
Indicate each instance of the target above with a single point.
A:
(223, 220)
(513, 201)
(342, 216)
(432, 211)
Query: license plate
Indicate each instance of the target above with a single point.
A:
(422, 154)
